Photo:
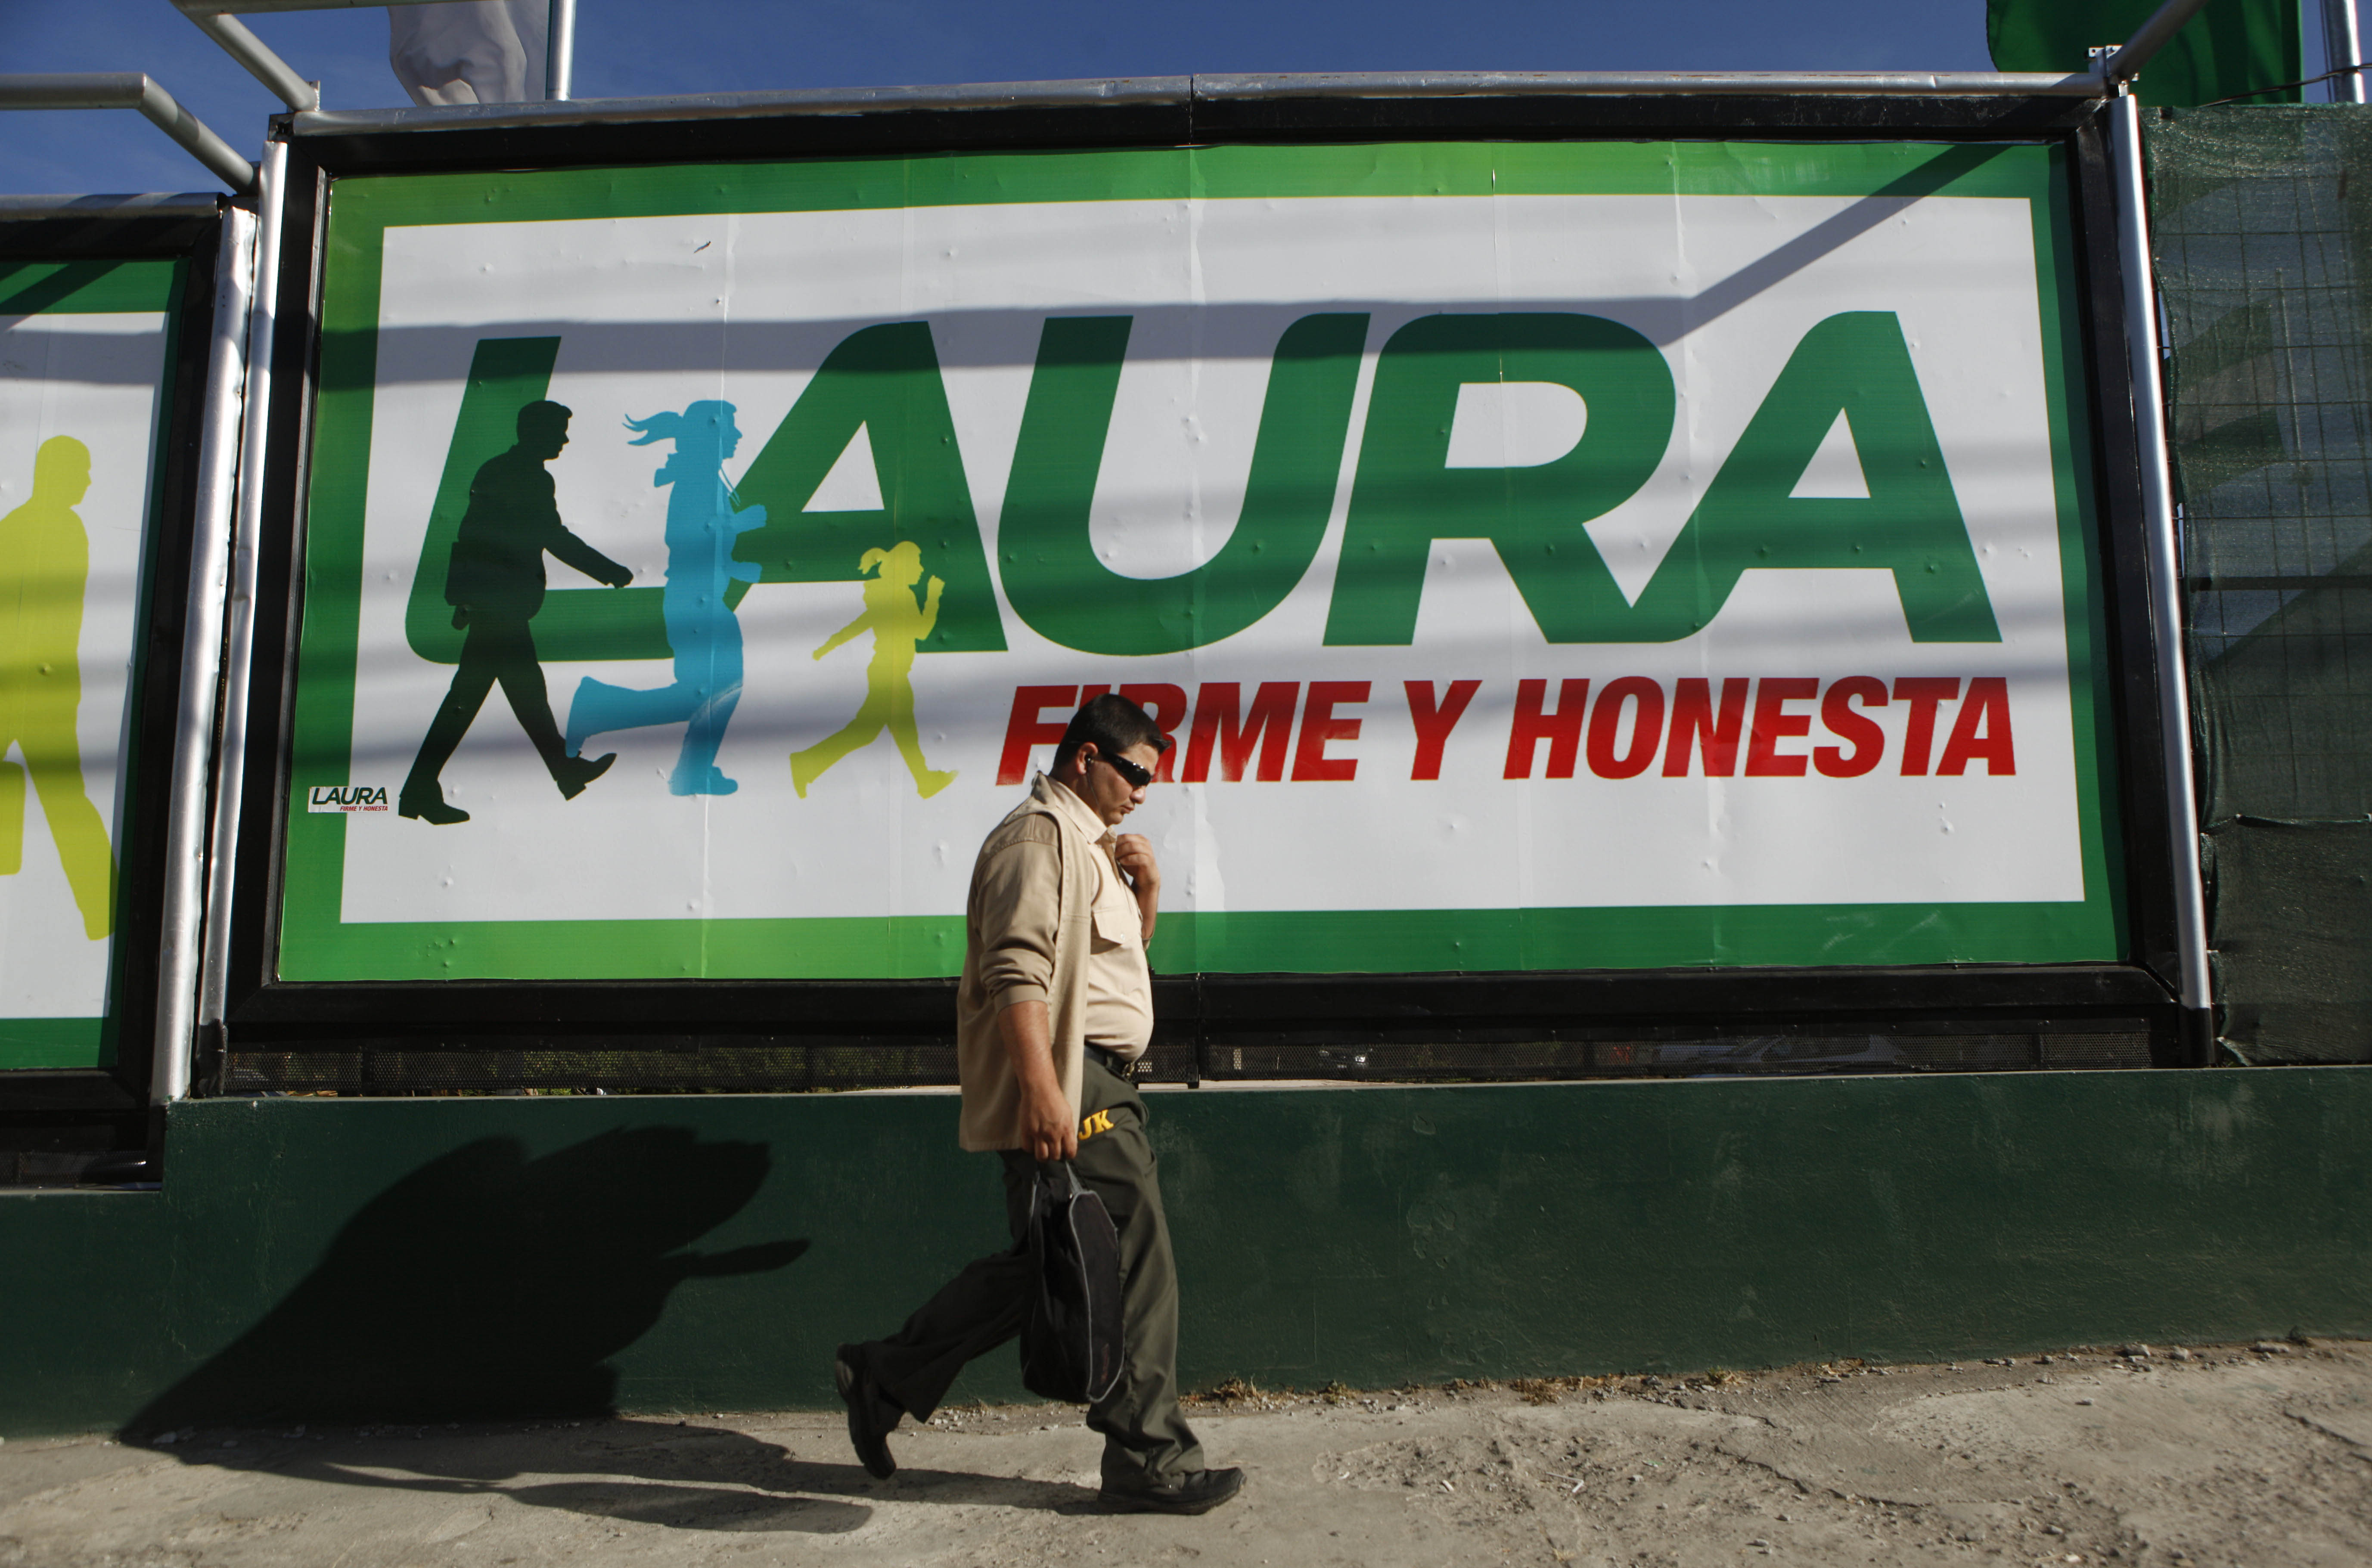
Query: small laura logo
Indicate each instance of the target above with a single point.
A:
(346, 798)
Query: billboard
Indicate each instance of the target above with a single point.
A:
(85, 362)
(1544, 556)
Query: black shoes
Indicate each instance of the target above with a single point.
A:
(574, 773)
(871, 1417)
(572, 776)
(1196, 1494)
(429, 806)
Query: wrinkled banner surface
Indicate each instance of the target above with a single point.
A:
(1544, 556)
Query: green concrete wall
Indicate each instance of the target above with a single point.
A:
(439, 1259)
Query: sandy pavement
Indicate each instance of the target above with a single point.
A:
(2211, 1456)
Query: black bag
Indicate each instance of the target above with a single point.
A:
(1070, 1344)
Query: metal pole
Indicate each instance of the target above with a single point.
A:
(255, 55)
(2343, 43)
(131, 89)
(560, 51)
(2142, 350)
(2153, 36)
(201, 633)
(1225, 87)
(239, 648)
(153, 204)
(1171, 90)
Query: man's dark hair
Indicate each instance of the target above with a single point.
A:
(1114, 723)
(543, 415)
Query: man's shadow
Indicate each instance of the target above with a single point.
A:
(486, 1285)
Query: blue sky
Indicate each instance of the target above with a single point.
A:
(734, 45)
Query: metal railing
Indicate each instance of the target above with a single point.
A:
(131, 89)
(219, 20)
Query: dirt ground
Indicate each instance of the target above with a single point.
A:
(2231, 1455)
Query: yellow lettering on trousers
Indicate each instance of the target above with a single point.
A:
(1098, 1121)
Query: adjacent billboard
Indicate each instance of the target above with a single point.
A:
(86, 352)
(1545, 556)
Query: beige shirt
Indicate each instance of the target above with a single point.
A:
(1120, 987)
(1049, 919)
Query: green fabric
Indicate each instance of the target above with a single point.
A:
(2231, 47)
(2261, 221)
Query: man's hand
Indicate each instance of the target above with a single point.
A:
(1047, 1130)
(622, 577)
(1133, 853)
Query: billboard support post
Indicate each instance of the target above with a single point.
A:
(560, 51)
(2344, 46)
(239, 649)
(2143, 349)
(193, 727)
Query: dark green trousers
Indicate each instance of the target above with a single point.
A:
(1146, 1435)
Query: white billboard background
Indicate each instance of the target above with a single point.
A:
(96, 378)
(655, 313)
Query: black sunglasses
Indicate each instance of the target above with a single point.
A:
(1137, 777)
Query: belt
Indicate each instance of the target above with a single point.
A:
(1110, 1063)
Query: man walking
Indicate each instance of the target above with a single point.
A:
(1053, 1011)
(495, 583)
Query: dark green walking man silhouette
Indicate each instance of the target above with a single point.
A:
(495, 583)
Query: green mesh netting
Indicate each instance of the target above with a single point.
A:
(2262, 222)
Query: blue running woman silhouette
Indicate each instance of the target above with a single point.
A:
(703, 519)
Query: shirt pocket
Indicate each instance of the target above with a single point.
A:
(1117, 925)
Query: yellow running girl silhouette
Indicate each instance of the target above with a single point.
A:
(897, 624)
(44, 567)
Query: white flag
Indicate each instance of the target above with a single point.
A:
(470, 51)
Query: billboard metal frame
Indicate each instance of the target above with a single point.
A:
(259, 1013)
(173, 696)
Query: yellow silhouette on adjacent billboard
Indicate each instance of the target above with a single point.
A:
(897, 624)
(45, 569)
